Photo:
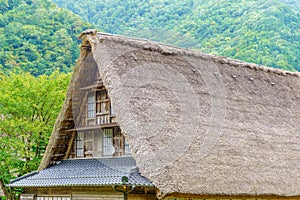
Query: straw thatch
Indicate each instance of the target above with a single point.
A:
(196, 124)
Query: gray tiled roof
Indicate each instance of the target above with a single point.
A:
(85, 172)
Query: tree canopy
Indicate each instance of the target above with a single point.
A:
(261, 32)
(29, 106)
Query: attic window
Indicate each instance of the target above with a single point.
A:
(98, 108)
(79, 144)
(91, 106)
(108, 148)
(101, 142)
(127, 148)
(84, 144)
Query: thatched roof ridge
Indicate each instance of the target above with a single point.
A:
(172, 50)
(196, 123)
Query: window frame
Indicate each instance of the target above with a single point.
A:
(91, 106)
(53, 197)
(79, 140)
(106, 145)
(110, 142)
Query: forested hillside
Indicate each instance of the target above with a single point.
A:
(38, 37)
(262, 32)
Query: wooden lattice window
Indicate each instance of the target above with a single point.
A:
(126, 148)
(27, 197)
(107, 145)
(53, 198)
(91, 106)
(114, 143)
(100, 142)
(79, 144)
(102, 107)
(84, 144)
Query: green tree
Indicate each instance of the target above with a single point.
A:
(29, 106)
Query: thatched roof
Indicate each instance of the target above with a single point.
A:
(196, 123)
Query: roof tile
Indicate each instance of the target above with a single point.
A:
(80, 172)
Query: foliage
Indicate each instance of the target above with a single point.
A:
(38, 37)
(294, 4)
(262, 32)
(29, 106)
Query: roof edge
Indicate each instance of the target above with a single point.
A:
(45, 162)
(81, 185)
(22, 177)
(172, 50)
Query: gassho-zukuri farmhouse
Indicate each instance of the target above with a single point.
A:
(143, 120)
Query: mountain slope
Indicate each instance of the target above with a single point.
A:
(38, 37)
(262, 32)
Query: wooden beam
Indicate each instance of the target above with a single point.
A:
(110, 125)
(58, 155)
(98, 85)
(70, 145)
